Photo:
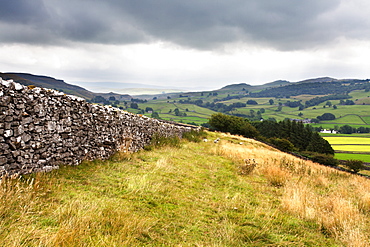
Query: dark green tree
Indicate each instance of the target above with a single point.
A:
(326, 116)
(252, 102)
(177, 112)
(346, 129)
(148, 109)
(134, 106)
(155, 115)
(319, 145)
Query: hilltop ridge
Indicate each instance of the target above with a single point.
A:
(48, 82)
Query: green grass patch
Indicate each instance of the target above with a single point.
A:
(349, 156)
(366, 119)
(348, 119)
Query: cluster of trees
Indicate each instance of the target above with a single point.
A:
(287, 135)
(230, 98)
(303, 137)
(347, 129)
(315, 101)
(219, 107)
(319, 100)
(178, 113)
(347, 102)
(100, 99)
(252, 102)
(233, 124)
(253, 115)
(293, 104)
(326, 116)
(139, 100)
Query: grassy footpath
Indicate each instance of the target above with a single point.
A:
(188, 194)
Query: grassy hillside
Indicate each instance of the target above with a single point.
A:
(189, 194)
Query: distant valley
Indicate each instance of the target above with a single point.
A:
(348, 100)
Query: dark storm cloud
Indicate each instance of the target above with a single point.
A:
(207, 24)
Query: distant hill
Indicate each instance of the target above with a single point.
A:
(319, 86)
(48, 82)
(237, 87)
(320, 79)
(277, 83)
(119, 97)
(129, 88)
(281, 84)
(241, 86)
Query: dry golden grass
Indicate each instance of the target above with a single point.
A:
(337, 201)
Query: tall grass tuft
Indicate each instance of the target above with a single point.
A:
(194, 135)
(338, 202)
(158, 141)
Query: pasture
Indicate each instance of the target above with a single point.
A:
(350, 156)
(355, 115)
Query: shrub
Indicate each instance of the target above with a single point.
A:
(355, 165)
(194, 136)
(324, 159)
(247, 167)
(276, 176)
(282, 144)
(161, 141)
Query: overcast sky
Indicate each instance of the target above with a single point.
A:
(192, 43)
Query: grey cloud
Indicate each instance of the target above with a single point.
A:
(207, 24)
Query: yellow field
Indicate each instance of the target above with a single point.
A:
(352, 148)
(348, 140)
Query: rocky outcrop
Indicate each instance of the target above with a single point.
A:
(41, 129)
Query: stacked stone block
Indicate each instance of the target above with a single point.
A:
(41, 129)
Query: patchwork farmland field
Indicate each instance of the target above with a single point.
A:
(350, 147)
(348, 140)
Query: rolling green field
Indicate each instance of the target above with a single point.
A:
(357, 115)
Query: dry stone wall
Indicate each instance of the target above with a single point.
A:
(41, 129)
